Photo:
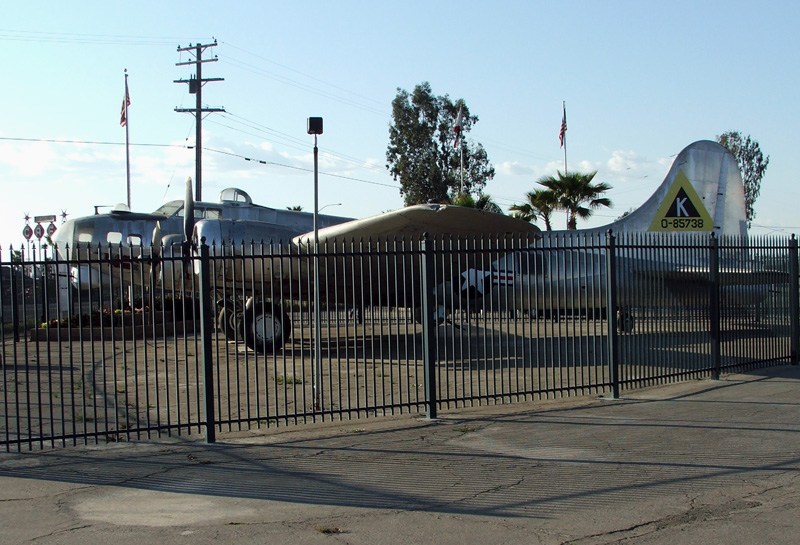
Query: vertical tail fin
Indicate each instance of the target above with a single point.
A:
(703, 192)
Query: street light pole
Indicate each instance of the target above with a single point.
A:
(315, 128)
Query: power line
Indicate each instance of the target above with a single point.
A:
(263, 162)
(96, 39)
(95, 142)
(293, 142)
(186, 146)
(295, 83)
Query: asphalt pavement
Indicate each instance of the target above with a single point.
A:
(698, 462)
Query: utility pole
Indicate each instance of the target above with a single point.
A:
(195, 88)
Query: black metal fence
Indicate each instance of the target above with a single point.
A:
(118, 343)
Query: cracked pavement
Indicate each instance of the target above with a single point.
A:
(698, 462)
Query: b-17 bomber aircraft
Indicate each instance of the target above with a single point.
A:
(104, 236)
(701, 194)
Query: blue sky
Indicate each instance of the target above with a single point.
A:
(640, 80)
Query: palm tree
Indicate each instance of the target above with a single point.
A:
(576, 195)
(483, 202)
(541, 204)
(295, 208)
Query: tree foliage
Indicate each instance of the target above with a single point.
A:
(421, 154)
(483, 202)
(752, 165)
(540, 204)
(576, 195)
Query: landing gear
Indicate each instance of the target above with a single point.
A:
(624, 320)
(266, 327)
(228, 320)
(263, 325)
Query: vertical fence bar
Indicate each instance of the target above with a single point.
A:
(206, 329)
(611, 287)
(714, 305)
(794, 315)
(428, 325)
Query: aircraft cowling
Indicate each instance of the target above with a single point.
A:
(208, 232)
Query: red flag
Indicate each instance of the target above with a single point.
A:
(457, 128)
(123, 118)
(562, 132)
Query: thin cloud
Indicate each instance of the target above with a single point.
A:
(514, 168)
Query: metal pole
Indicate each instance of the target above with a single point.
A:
(206, 330)
(794, 304)
(317, 313)
(714, 306)
(461, 149)
(14, 294)
(428, 326)
(198, 153)
(564, 109)
(127, 139)
(611, 312)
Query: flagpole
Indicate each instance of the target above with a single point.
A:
(564, 132)
(127, 140)
(461, 148)
(457, 129)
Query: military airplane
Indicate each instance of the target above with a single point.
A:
(122, 233)
(701, 194)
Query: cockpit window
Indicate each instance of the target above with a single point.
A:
(175, 208)
(170, 208)
(203, 213)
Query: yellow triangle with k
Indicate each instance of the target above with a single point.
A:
(682, 209)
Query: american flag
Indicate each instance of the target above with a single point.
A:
(123, 118)
(562, 133)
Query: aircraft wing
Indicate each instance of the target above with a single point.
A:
(727, 276)
(437, 220)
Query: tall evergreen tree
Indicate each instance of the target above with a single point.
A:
(424, 154)
(752, 165)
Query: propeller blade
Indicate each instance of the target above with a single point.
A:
(188, 211)
(155, 267)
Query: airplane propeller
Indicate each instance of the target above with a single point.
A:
(188, 229)
(188, 211)
(155, 268)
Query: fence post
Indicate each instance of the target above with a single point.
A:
(714, 305)
(206, 330)
(794, 313)
(428, 325)
(611, 312)
(14, 294)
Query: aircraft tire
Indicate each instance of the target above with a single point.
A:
(228, 322)
(265, 329)
(625, 321)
